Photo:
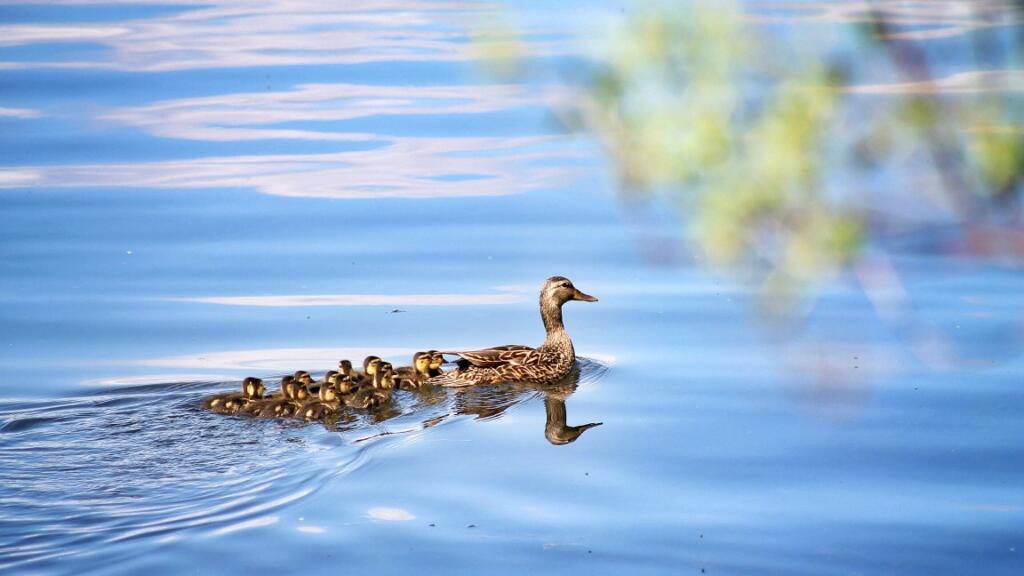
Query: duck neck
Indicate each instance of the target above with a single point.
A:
(551, 314)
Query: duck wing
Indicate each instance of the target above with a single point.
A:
(498, 356)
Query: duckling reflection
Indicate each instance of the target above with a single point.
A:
(491, 401)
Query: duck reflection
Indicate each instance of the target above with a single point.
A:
(491, 401)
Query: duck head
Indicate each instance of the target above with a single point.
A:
(557, 291)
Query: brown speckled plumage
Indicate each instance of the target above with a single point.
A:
(548, 363)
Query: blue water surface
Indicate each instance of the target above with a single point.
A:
(195, 193)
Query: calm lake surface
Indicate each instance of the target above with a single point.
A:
(194, 193)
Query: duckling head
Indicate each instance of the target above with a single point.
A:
(286, 387)
(345, 367)
(343, 384)
(381, 378)
(252, 388)
(328, 394)
(370, 365)
(436, 359)
(421, 362)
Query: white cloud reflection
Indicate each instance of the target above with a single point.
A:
(390, 514)
(248, 33)
(19, 113)
(236, 116)
(406, 168)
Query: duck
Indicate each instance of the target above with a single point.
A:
(556, 430)
(326, 404)
(515, 363)
(252, 390)
(291, 397)
(410, 377)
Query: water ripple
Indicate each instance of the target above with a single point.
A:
(144, 461)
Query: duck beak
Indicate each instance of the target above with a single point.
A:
(584, 297)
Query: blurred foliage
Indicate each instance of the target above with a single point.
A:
(752, 138)
(692, 106)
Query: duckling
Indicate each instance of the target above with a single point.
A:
(252, 390)
(345, 369)
(302, 377)
(344, 384)
(387, 380)
(326, 403)
(370, 364)
(383, 383)
(410, 377)
(436, 360)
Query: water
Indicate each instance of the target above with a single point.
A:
(194, 194)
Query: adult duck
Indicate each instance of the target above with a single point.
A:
(548, 363)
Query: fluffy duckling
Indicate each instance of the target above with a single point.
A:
(436, 360)
(387, 372)
(327, 403)
(383, 383)
(410, 377)
(370, 364)
(302, 377)
(344, 384)
(252, 390)
(345, 369)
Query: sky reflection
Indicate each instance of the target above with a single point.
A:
(407, 168)
(249, 34)
(359, 300)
